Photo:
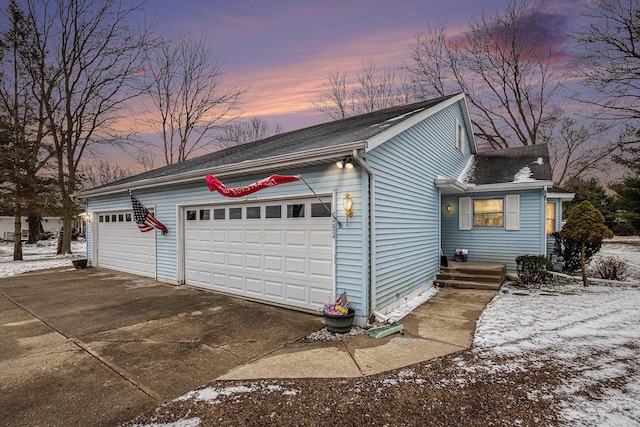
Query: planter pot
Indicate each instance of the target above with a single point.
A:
(80, 263)
(339, 324)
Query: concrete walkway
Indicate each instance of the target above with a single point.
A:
(443, 325)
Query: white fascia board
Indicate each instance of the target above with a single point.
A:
(563, 196)
(509, 186)
(286, 161)
(386, 135)
(468, 125)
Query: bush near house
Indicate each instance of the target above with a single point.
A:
(569, 250)
(609, 268)
(532, 268)
(585, 225)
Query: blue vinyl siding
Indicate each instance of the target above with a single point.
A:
(495, 244)
(351, 262)
(407, 202)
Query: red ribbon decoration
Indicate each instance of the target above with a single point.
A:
(216, 185)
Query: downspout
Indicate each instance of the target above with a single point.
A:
(372, 234)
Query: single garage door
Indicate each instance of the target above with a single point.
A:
(280, 252)
(123, 247)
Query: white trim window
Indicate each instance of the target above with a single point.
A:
(488, 212)
(495, 212)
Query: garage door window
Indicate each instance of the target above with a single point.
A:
(235, 213)
(100, 218)
(114, 218)
(219, 213)
(205, 214)
(121, 218)
(191, 215)
(318, 210)
(273, 211)
(107, 218)
(127, 217)
(295, 211)
(253, 212)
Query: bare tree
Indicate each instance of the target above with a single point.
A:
(580, 150)
(146, 158)
(89, 55)
(237, 133)
(610, 54)
(372, 90)
(100, 173)
(429, 69)
(505, 65)
(334, 101)
(188, 100)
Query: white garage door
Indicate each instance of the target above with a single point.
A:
(279, 251)
(123, 247)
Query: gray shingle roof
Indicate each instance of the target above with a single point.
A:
(335, 133)
(529, 162)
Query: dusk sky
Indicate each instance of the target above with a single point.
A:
(283, 50)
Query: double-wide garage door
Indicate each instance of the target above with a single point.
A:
(122, 246)
(280, 251)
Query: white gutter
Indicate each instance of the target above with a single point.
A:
(451, 184)
(372, 234)
(456, 186)
(563, 196)
(509, 186)
(245, 168)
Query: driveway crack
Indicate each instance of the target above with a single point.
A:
(85, 349)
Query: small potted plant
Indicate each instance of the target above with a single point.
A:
(80, 263)
(338, 317)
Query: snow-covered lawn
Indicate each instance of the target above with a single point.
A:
(37, 257)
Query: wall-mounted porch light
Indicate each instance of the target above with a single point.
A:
(449, 207)
(347, 204)
(86, 217)
(345, 163)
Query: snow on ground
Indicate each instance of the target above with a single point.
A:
(626, 249)
(39, 256)
(592, 332)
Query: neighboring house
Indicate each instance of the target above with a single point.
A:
(50, 224)
(417, 183)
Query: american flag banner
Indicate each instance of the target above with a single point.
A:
(144, 219)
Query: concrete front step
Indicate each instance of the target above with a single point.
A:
(472, 275)
(483, 278)
(467, 284)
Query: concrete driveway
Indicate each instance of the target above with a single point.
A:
(97, 347)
